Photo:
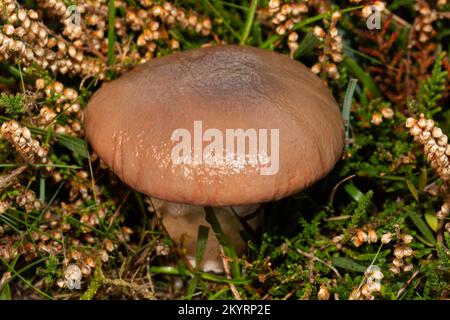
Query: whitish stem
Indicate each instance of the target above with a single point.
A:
(182, 222)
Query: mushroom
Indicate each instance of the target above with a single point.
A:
(227, 127)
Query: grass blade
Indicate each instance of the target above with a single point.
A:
(308, 43)
(412, 188)
(432, 222)
(190, 292)
(42, 188)
(76, 145)
(168, 270)
(28, 283)
(348, 105)
(362, 76)
(276, 37)
(202, 239)
(354, 192)
(111, 32)
(227, 247)
(249, 22)
(348, 264)
(225, 22)
(423, 227)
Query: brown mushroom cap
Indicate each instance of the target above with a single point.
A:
(130, 121)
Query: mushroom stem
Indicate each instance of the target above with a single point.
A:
(182, 221)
